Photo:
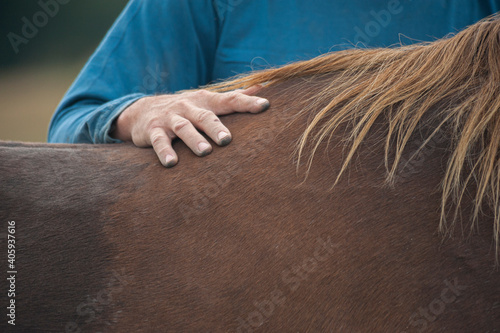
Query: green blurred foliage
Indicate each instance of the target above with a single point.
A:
(72, 33)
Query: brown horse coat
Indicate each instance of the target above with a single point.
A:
(107, 240)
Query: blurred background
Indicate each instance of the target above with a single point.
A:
(44, 45)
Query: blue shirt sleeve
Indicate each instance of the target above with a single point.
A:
(163, 46)
(155, 46)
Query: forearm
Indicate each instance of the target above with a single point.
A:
(88, 123)
(133, 62)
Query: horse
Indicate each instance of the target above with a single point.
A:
(364, 200)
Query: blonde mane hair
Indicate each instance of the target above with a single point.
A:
(454, 81)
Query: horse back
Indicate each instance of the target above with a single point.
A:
(109, 240)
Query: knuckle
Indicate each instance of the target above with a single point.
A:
(202, 93)
(183, 104)
(205, 98)
(233, 96)
(153, 124)
(156, 139)
(180, 125)
(203, 116)
(235, 99)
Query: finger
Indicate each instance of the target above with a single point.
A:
(209, 123)
(251, 91)
(185, 130)
(162, 145)
(235, 101)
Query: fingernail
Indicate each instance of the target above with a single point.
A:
(224, 138)
(169, 161)
(263, 103)
(204, 148)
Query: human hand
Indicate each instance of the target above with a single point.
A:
(157, 120)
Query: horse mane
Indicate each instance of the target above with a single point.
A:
(454, 81)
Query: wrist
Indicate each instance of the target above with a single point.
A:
(122, 126)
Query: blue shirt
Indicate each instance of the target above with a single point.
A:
(163, 46)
